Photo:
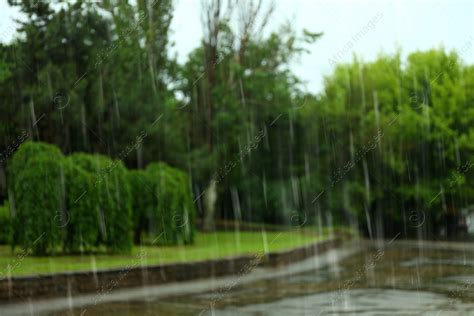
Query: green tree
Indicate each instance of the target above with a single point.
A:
(81, 214)
(36, 185)
(111, 194)
(174, 214)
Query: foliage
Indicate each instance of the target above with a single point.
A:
(174, 217)
(84, 201)
(29, 151)
(81, 214)
(144, 202)
(38, 196)
(384, 138)
(390, 138)
(110, 192)
(79, 62)
(5, 224)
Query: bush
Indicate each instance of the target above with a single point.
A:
(5, 224)
(38, 195)
(144, 202)
(78, 203)
(81, 212)
(110, 192)
(175, 208)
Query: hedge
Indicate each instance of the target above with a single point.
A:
(111, 194)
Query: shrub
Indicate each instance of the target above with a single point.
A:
(175, 207)
(38, 195)
(84, 201)
(5, 224)
(81, 211)
(144, 202)
(111, 194)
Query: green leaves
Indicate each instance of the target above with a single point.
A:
(81, 217)
(110, 199)
(421, 108)
(38, 195)
(83, 202)
(75, 204)
(5, 224)
(174, 213)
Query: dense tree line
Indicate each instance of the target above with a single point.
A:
(385, 142)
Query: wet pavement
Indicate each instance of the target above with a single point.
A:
(401, 279)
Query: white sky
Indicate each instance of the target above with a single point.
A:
(407, 24)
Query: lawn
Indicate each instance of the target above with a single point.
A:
(206, 246)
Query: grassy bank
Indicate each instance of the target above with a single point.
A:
(206, 246)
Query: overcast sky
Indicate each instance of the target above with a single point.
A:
(364, 27)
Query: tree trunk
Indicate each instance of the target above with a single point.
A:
(209, 203)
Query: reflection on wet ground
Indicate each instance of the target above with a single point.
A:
(397, 281)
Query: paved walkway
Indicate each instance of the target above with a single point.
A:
(45, 306)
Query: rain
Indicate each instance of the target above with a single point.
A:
(224, 157)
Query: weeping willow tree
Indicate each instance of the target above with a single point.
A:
(175, 204)
(80, 217)
(111, 197)
(36, 178)
(84, 202)
(5, 224)
(144, 202)
(63, 204)
(163, 204)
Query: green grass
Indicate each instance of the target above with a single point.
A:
(206, 246)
